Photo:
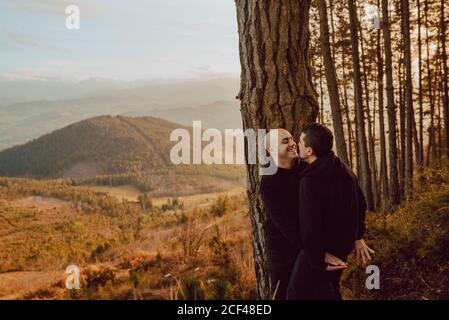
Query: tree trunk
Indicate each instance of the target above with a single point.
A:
(321, 113)
(383, 150)
(438, 89)
(420, 159)
(408, 101)
(360, 119)
(276, 91)
(440, 97)
(431, 148)
(391, 108)
(346, 104)
(445, 77)
(371, 132)
(332, 86)
(401, 127)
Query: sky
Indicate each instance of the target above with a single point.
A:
(122, 40)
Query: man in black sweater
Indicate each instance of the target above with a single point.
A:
(279, 193)
(331, 217)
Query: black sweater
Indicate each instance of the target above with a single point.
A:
(331, 209)
(279, 194)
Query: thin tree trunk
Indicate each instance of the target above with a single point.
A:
(331, 5)
(420, 159)
(383, 152)
(391, 108)
(357, 149)
(331, 80)
(401, 126)
(321, 115)
(348, 118)
(401, 104)
(440, 139)
(415, 140)
(431, 148)
(276, 91)
(408, 101)
(371, 139)
(344, 94)
(360, 119)
(445, 76)
(438, 89)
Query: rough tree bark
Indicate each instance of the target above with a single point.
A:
(276, 90)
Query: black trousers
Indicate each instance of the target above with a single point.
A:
(280, 269)
(306, 283)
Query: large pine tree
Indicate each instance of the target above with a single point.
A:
(276, 90)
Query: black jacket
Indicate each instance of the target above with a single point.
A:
(331, 210)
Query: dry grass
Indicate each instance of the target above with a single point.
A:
(171, 254)
(16, 284)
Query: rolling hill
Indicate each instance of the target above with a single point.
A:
(47, 106)
(116, 150)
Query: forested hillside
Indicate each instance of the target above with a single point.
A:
(115, 151)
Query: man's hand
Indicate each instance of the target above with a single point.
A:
(334, 263)
(362, 251)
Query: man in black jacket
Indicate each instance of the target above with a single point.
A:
(279, 193)
(331, 217)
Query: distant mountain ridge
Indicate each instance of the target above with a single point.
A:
(212, 101)
(114, 150)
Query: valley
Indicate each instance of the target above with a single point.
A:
(45, 226)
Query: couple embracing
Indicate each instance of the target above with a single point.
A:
(315, 215)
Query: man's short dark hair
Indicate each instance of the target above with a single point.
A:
(319, 138)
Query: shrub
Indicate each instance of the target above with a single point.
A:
(97, 276)
(193, 289)
(221, 289)
(221, 206)
(412, 254)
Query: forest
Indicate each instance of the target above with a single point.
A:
(374, 71)
(381, 66)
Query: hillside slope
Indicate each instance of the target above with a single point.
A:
(114, 151)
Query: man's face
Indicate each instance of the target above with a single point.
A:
(304, 152)
(286, 148)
